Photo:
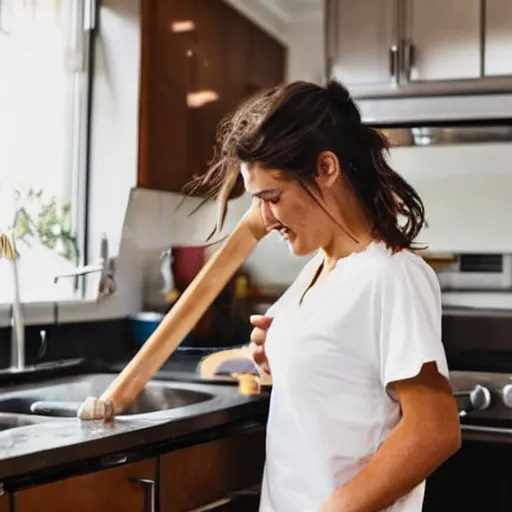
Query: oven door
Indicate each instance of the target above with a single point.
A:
(478, 477)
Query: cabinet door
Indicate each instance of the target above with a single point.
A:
(498, 38)
(4, 503)
(442, 40)
(362, 35)
(267, 61)
(197, 64)
(127, 488)
(200, 475)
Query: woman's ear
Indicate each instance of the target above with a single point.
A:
(328, 169)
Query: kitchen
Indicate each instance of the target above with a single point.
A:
(154, 87)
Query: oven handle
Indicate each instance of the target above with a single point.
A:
(487, 430)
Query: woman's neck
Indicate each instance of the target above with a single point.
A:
(356, 234)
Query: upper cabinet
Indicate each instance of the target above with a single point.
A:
(363, 41)
(420, 47)
(498, 38)
(200, 58)
(442, 40)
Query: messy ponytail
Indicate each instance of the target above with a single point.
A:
(287, 128)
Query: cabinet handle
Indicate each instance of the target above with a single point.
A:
(409, 58)
(113, 460)
(149, 487)
(393, 62)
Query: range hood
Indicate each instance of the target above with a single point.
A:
(495, 108)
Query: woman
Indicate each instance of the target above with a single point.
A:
(361, 410)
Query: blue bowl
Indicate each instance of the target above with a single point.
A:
(143, 325)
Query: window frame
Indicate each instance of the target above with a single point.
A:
(84, 35)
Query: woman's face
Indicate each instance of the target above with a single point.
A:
(288, 208)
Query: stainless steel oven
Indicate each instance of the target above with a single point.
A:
(478, 478)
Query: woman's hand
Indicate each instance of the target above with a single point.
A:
(261, 325)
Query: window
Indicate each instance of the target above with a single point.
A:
(44, 104)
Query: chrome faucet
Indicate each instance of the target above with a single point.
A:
(8, 251)
(106, 266)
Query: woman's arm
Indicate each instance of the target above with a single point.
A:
(427, 435)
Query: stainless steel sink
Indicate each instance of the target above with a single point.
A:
(8, 421)
(62, 397)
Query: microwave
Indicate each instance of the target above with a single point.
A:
(477, 272)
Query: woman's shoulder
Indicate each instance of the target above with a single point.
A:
(406, 269)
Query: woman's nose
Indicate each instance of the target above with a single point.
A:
(267, 215)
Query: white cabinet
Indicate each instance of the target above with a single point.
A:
(442, 39)
(364, 44)
(498, 38)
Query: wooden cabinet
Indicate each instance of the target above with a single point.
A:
(202, 474)
(200, 58)
(420, 48)
(128, 488)
(266, 63)
(5, 505)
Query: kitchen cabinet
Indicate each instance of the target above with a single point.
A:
(420, 48)
(267, 61)
(473, 479)
(127, 488)
(200, 58)
(498, 38)
(364, 42)
(5, 505)
(199, 475)
(442, 39)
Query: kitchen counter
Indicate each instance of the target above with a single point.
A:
(60, 446)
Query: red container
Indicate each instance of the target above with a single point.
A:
(216, 327)
(187, 262)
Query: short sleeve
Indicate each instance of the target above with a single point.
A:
(410, 320)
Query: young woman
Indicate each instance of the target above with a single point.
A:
(361, 410)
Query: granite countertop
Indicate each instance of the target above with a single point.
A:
(60, 442)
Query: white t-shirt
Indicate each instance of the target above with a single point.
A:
(376, 319)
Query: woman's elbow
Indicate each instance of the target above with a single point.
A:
(448, 439)
(453, 438)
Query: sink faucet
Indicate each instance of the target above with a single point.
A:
(9, 252)
(105, 265)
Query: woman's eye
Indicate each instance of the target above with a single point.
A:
(273, 200)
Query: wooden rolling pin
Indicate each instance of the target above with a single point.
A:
(179, 321)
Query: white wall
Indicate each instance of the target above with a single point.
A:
(114, 121)
(466, 191)
(306, 52)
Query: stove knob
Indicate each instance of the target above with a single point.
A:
(506, 395)
(480, 398)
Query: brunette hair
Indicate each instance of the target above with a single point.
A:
(287, 127)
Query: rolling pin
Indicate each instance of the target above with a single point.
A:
(179, 321)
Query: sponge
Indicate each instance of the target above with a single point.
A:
(232, 362)
(236, 365)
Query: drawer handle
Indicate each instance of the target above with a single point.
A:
(113, 460)
(149, 487)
